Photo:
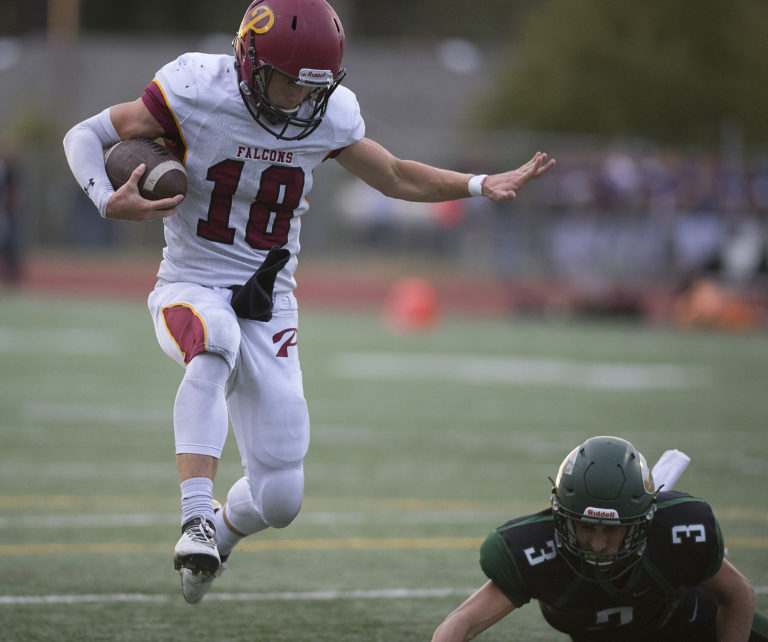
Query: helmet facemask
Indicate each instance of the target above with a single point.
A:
(600, 566)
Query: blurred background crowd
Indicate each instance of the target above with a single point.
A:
(652, 111)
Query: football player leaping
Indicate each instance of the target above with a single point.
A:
(250, 130)
(615, 558)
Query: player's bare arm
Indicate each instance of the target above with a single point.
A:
(414, 181)
(736, 603)
(134, 120)
(396, 178)
(481, 610)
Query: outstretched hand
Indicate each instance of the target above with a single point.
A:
(128, 204)
(504, 186)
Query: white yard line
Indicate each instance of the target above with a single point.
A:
(110, 520)
(378, 594)
(60, 342)
(103, 413)
(520, 370)
(105, 520)
(67, 470)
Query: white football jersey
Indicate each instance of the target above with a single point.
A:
(247, 189)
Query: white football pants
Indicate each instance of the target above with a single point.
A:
(264, 395)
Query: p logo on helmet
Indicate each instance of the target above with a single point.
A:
(648, 482)
(262, 19)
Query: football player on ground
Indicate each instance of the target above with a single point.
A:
(614, 559)
(250, 129)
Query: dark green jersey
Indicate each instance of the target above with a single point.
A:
(685, 547)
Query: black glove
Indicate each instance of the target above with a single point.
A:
(254, 299)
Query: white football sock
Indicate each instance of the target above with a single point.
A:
(196, 499)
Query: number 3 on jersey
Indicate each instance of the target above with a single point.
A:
(535, 556)
(269, 219)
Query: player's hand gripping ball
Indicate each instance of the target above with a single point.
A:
(165, 177)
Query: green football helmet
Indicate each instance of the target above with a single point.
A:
(604, 481)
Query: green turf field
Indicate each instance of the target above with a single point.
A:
(421, 444)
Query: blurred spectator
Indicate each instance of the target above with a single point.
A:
(665, 213)
(10, 233)
(618, 216)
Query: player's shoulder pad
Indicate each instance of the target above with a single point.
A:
(684, 538)
(519, 533)
(499, 565)
(344, 115)
(684, 517)
(194, 77)
(672, 505)
(528, 531)
(516, 552)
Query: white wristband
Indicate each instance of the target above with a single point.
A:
(475, 185)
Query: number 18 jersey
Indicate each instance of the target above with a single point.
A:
(247, 188)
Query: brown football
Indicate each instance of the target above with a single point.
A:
(164, 177)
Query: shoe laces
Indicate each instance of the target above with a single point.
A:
(200, 530)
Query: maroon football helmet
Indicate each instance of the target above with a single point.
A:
(301, 39)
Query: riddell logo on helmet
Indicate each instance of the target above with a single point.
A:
(315, 77)
(262, 20)
(600, 513)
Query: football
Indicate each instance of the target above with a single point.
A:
(164, 177)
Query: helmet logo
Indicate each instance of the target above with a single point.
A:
(262, 20)
(570, 462)
(647, 477)
(600, 513)
(315, 77)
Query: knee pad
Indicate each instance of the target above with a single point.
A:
(281, 493)
(242, 516)
(274, 499)
(208, 367)
(223, 334)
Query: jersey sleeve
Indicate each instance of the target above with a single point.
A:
(172, 97)
(500, 566)
(348, 124)
(154, 100)
(705, 559)
(686, 543)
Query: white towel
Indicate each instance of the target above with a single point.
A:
(669, 468)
